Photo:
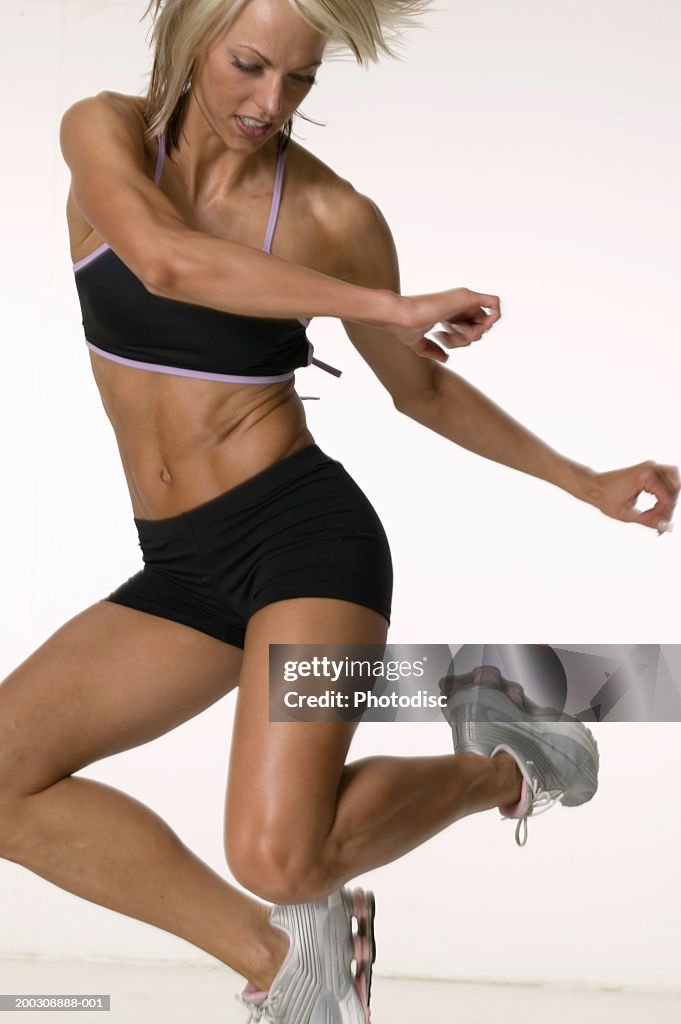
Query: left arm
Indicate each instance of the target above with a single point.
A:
(429, 393)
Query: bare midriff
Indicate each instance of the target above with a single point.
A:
(183, 441)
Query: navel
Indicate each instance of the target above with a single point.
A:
(165, 476)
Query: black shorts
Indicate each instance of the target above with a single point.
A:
(300, 528)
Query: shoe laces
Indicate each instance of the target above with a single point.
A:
(542, 800)
(261, 1011)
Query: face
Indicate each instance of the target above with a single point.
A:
(260, 67)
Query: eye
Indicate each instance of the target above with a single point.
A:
(250, 68)
(244, 67)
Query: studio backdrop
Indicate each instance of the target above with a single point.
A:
(528, 149)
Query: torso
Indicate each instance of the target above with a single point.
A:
(182, 440)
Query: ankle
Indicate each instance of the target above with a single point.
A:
(510, 779)
(272, 950)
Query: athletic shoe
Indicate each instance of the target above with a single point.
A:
(548, 777)
(477, 698)
(316, 983)
(557, 755)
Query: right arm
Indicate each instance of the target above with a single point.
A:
(103, 147)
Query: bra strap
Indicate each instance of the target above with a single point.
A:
(325, 366)
(276, 198)
(160, 159)
(313, 361)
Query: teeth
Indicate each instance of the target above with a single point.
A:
(252, 123)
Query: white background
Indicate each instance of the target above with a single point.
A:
(528, 149)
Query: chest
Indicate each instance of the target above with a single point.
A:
(303, 232)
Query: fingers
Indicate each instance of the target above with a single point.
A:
(429, 350)
(653, 518)
(663, 482)
(456, 337)
(490, 302)
(472, 322)
(475, 314)
(669, 479)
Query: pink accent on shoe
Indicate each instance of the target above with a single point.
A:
(519, 809)
(362, 950)
(252, 994)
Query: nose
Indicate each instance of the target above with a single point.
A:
(270, 97)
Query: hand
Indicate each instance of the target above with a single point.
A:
(618, 490)
(461, 313)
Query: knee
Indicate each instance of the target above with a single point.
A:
(10, 827)
(14, 757)
(278, 870)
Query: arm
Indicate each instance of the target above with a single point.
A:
(434, 396)
(102, 142)
(102, 139)
(460, 412)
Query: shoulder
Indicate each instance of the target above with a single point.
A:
(98, 135)
(105, 112)
(352, 224)
(106, 119)
(131, 108)
(365, 243)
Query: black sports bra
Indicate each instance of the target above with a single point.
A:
(127, 324)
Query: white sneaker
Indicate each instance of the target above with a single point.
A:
(316, 983)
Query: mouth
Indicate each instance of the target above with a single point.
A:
(254, 130)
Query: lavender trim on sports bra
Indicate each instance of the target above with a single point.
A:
(179, 372)
(233, 378)
(271, 224)
(89, 259)
(276, 196)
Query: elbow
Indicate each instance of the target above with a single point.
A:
(398, 398)
(416, 402)
(158, 276)
(170, 266)
(162, 261)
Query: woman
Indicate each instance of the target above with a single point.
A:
(251, 534)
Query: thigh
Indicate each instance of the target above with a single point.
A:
(284, 777)
(109, 679)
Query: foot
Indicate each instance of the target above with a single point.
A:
(316, 980)
(476, 699)
(556, 755)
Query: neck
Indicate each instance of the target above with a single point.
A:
(212, 161)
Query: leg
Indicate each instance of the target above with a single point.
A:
(347, 819)
(110, 679)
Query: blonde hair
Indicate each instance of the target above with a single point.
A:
(181, 29)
